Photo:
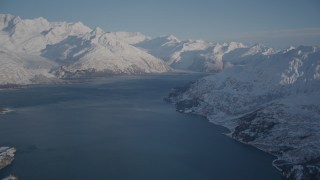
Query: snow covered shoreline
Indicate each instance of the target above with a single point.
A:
(298, 169)
(271, 104)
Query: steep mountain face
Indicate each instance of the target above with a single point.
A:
(200, 55)
(270, 103)
(100, 52)
(71, 49)
(21, 68)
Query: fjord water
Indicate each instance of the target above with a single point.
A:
(120, 128)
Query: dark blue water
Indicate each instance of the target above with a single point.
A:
(119, 128)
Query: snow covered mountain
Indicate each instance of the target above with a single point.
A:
(69, 50)
(270, 103)
(100, 52)
(76, 50)
(201, 56)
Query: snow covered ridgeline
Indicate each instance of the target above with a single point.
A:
(272, 104)
(33, 50)
(38, 51)
(198, 55)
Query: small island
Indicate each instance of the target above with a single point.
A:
(6, 158)
(4, 110)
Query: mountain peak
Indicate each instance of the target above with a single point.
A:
(80, 27)
(234, 45)
(97, 31)
(41, 19)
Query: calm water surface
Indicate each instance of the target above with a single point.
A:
(120, 129)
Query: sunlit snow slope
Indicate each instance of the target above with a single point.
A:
(35, 47)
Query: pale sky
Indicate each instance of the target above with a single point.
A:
(277, 23)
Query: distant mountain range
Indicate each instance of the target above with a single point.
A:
(38, 51)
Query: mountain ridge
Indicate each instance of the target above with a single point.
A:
(74, 46)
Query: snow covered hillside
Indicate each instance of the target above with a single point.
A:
(21, 68)
(32, 48)
(270, 103)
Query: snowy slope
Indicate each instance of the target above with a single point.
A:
(23, 68)
(101, 52)
(72, 48)
(163, 47)
(272, 104)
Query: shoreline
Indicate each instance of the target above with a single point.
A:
(283, 168)
(183, 110)
(228, 134)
